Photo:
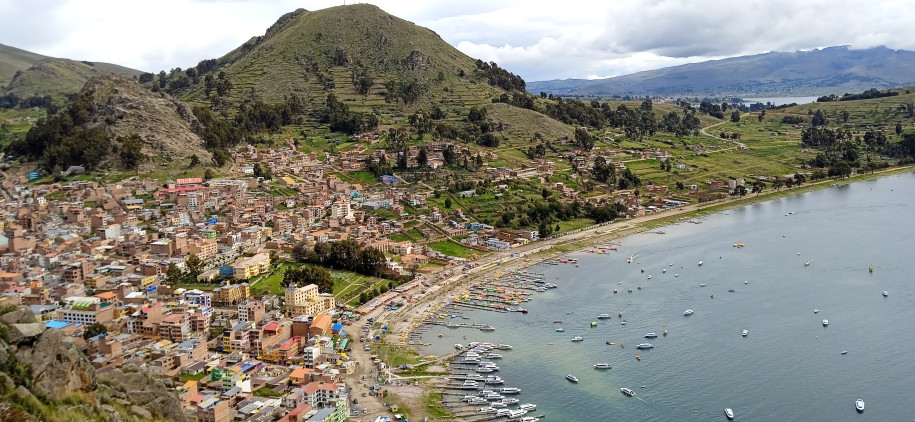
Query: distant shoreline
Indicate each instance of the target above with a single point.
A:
(498, 264)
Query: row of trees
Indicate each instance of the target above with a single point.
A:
(340, 119)
(345, 255)
(308, 274)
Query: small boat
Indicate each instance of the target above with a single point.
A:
(559, 330)
(494, 356)
(577, 338)
(603, 316)
(729, 413)
(816, 310)
(530, 419)
(746, 282)
(527, 406)
(610, 342)
(602, 366)
(745, 332)
(885, 294)
(497, 404)
(627, 391)
(504, 347)
(859, 404)
(572, 378)
(644, 346)
(509, 400)
(487, 328)
(825, 322)
(688, 312)
(459, 346)
(649, 276)
(845, 352)
(700, 263)
(807, 264)
(558, 321)
(677, 275)
(731, 291)
(702, 285)
(510, 390)
(651, 335)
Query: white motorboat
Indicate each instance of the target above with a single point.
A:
(572, 378)
(487, 328)
(577, 338)
(530, 419)
(885, 294)
(498, 404)
(527, 406)
(825, 322)
(859, 404)
(471, 354)
(510, 390)
(493, 379)
(602, 366)
(745, 332)
(729, 413)
(627, 391)
(560, 330)
(688, 312)
(494, 356)
(816, 310)
(702, 285)
(700, 263)
(504, 347)
(490, 409)
(644, 346)
(651, 335)
(509, 400)
(469, 383)
(459, 346)
(603, 316)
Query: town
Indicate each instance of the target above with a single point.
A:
(189, 279)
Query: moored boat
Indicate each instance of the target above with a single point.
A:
(577, 338)
(627, 391)
(644, 346)
(745, 332)
(729, 413)
(651, 335)
(859, 404)
(688, 312)
(572, 378)
(602, 366)
(825, 322)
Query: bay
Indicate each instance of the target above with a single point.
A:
(789, 367)
(777, 101)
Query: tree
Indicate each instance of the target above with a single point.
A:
(545, 193)
(818, 119)
(131, 151)
(844, 114)
(422, 158)
(208, 174)
(735, 116)
(93, 330)
(898, 128)
(447, 202)
(584, 139)
(194, 266)
(174, 274)
(221, 157)
(195, 161)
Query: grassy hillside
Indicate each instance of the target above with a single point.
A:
(315, 53)
(13, 59)
(25, 74)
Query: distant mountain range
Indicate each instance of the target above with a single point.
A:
(833, 70)
(25, 74)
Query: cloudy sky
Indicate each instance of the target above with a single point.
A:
(536, 39)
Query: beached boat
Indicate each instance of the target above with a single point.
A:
(627, 391)
(577, 338)
(729, 413)
(602, 366)
(688, 312)
(572, 378)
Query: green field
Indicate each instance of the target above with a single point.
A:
(452, 249)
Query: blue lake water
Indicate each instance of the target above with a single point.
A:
(789, 367)
(777, 101)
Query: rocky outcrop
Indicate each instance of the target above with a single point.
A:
(166, 125)
(155, 395)
(57, 365)
(25, 333)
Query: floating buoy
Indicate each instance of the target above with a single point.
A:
(638, 358)
(643, 270)
(593, 324)
(439, 335)
(630, 290)
(665, 332)
(640, 287)
(620, 314)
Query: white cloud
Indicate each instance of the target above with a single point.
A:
(535, 39)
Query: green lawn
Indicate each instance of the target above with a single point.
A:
(452, 249)
(189, 377)
(398, 237)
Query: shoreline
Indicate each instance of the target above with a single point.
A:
(497, 264)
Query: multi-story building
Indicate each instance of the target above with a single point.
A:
(251, 311)
(175, 327)
(230, 294)
(210, 409)
(88, 310)
(250, 267)
(199, 301)
(321, 394)
(307, 301)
